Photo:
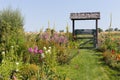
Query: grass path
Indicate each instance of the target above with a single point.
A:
(87, 66)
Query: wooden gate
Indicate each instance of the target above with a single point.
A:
(78, 32)
(87, 36)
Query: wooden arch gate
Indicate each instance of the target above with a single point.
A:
(85, 16)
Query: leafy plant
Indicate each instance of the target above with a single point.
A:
(11, 28)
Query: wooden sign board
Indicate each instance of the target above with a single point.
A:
(85, 16)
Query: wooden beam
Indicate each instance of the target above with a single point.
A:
(85, 16)
(73, 26)
(96, 32)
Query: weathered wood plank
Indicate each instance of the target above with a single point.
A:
(85, 16)
(84, 37)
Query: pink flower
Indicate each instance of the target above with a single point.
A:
(30, 50)
(14, 78)
(40, 51)
(36, 49)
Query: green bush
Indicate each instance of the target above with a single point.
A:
(11, 29)
(108, 42)
(28, 71)
(112, 59)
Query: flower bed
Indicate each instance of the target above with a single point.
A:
(109, 44)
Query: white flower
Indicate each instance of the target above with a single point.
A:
(12, 46)
(2, 61)
(42, 55)
(49, 51)
(17, 70)
(3, 53)
(44, 48)
(17, 63)
(49, 47)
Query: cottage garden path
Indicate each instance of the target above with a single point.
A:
(88, 65)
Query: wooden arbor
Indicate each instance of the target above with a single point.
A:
(86, 16)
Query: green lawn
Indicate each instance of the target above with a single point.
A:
(87, 65)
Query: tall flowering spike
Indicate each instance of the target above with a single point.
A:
(30, 50)
(40, 51)
(36, 49)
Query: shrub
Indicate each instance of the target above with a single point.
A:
(112, 59)
(11, 29)
(108, 42)
(28, 71)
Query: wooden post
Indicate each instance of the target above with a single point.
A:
(73, 26)
(96, 32)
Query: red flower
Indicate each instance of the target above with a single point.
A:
(113, 51)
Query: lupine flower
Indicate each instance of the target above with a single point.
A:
(30, 50)
(40, 51)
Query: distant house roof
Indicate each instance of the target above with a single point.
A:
(85, 16)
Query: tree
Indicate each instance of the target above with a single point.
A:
(100, 30)
(11, 29)
(116, 29)
(110, 29)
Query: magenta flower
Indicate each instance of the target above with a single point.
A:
(40, 51)
(30, 50)
(36, 49)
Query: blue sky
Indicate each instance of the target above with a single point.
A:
(38, 13)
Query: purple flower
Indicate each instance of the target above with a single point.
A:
(36, 49)
(61, 39)
(30, 50)
(45, 36)
(40, 51)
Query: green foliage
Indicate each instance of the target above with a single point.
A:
(63, 54)
(10, 62)
(112, 59)
(100, 30)
(116, 29)
(108, 41)
(11, 29)
(28, 71)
